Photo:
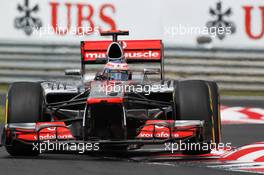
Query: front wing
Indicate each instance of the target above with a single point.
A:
(153, 132)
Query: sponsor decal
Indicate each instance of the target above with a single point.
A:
(151, 131)
(249, 20)
(27, 22)
(83, 20)
(60, 12)
(143, 54)
(160, 134)
(53, 136)
(220, 22)
(50, 133)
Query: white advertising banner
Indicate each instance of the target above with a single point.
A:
(180, 23)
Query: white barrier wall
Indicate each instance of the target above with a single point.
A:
(178, 22)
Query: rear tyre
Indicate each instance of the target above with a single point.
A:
(193, 102)
(24, 105)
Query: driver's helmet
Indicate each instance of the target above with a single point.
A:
(117, 71)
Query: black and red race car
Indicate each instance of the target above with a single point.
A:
(137, 113)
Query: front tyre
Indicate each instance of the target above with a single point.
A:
(194, 101)
(24, 105)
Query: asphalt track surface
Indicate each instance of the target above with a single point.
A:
(76, 164)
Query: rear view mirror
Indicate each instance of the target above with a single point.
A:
(151, 71)
(72, 72)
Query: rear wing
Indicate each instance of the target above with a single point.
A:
(94, 52)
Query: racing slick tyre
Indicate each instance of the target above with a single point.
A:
(24, 105)
(214, 93)
(194, 101)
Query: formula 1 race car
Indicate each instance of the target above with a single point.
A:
(116, 109)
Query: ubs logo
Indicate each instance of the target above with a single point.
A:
(220, 20)
(27, 22)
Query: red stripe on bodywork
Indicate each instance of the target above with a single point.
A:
(155, 129)
(48, 133)
(105, 100)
